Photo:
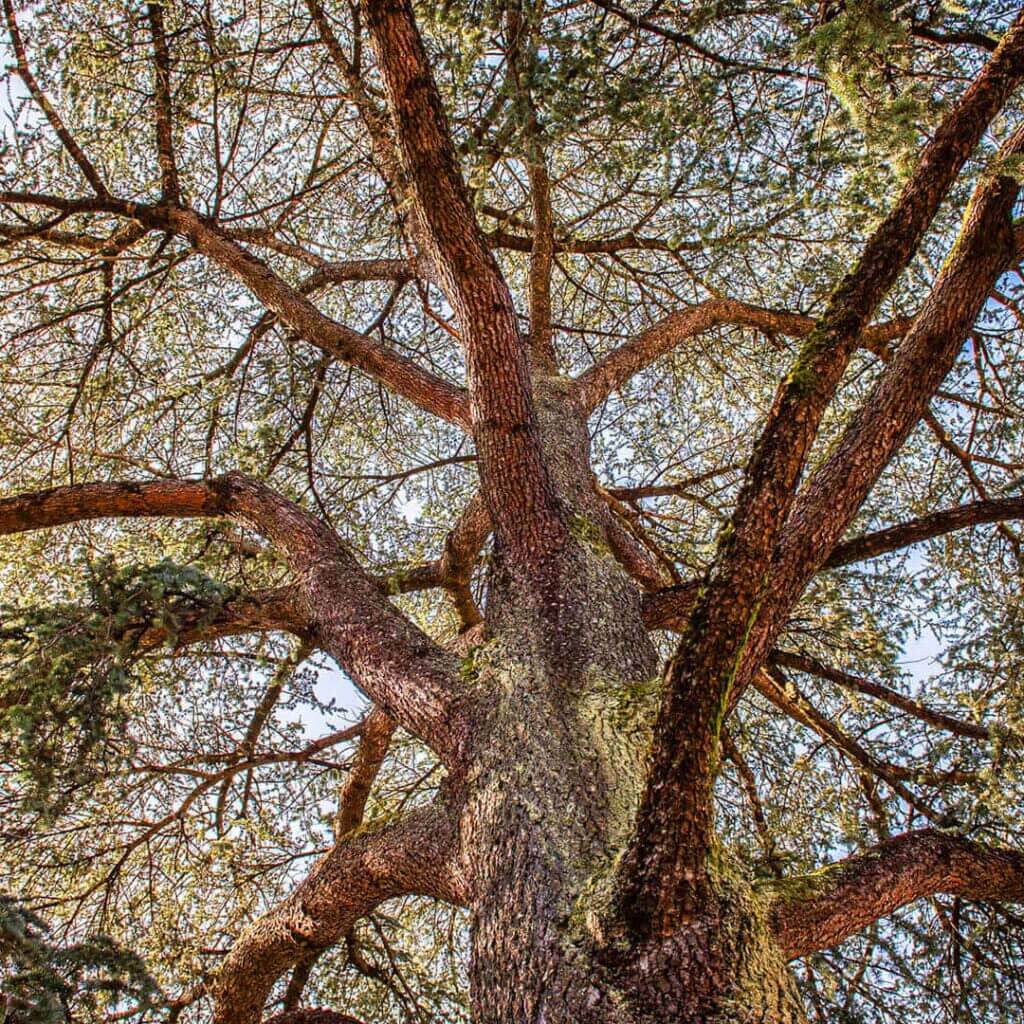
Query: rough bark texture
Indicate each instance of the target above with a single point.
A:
(815, 911)
(576, 816)
(666, 866)
(364, 869)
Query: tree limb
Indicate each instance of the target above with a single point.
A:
(670, 607)
(595, 384)
(830, 499)
(811, 666)
(820, 910)
(395, 371)
(163, 114)
(85, 165)
(355, 790)
(454, 569)
(349, 616)
(413, 855)
(279, 609)
(374, 740)
(399, 374)
(935, 524)
(382, 142)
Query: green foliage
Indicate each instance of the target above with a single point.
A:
(754, 157)
(46, 982)
(66, 670)
(864, 53)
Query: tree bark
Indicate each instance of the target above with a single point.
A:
(576, 817)
(553, 784)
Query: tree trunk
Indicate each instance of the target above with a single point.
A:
(553, 791)
(549, 813)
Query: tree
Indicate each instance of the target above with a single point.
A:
(646, 320)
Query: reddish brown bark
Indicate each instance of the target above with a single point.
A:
(514, 477)
(935, 524)
(825, 908)
(355, 790)
(666, 876)
(575, 819)
(595, 384)
(400, 374)
(365, 868)
(829, 501)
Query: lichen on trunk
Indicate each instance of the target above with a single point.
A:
(559, 767)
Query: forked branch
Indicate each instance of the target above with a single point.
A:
(513, 472)
(453, 570)
(348, 614)
(831, 498)
(738, 612)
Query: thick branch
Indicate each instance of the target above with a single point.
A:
(670, 607)
(829, 501)
(935, 524)
(382, 142)
(820, 910)
(369, 866)
(513, 473)
(594, 385)
(355, 790)
(454, 569)
(632, 548)
(349, 616)
(541, 262)
(280, 609)
(665, 871)
(38, 510)
(374, 740)
(521, 30)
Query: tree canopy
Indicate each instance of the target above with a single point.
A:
(238, 281)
